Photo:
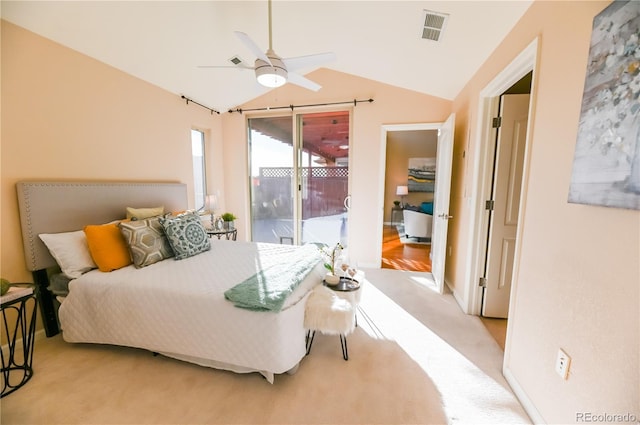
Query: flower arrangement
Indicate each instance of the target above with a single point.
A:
(331, 255)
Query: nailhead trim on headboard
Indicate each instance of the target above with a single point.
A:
(54, 207)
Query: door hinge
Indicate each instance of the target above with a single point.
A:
(482, 282)
(488, 205)
(497, 122)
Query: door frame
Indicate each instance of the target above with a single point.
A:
(489, 99)
(384, 130)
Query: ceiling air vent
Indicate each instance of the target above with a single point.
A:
(434, 25)
(235, 60)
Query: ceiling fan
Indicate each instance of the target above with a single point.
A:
(273, 71)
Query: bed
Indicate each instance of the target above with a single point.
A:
(181, 308)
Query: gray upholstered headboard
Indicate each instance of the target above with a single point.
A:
(54, 207)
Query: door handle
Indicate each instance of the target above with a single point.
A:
(445, 216)
(347, 202)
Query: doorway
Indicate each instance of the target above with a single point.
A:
(401, 251)
(441, 190)
(504, 204)
(503, 207)
(522, 67)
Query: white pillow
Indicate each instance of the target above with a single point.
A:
(70, 251)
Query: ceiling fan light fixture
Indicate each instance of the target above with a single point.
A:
(272, 74)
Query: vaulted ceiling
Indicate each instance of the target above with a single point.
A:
(165, 42)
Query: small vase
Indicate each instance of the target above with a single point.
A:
(331, 279)
(228, 225)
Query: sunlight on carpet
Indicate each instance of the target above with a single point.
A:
(427, 281)
(469, 395)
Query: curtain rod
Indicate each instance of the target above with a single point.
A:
(354, 101)
(200, 104)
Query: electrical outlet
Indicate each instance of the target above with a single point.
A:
(563, 361)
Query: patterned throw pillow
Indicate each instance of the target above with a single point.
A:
(186, 234)
(146, 240)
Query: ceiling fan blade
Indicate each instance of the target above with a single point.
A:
(301, 81)
(308, 61)
(252, 46)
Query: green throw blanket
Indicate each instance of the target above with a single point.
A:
(268, 289)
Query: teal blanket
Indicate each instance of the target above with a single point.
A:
(268, 289)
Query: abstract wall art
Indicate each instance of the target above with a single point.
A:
(422, 174)
(606, 164)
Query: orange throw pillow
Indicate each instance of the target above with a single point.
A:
(107, 246)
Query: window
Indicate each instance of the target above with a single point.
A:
(199, 175)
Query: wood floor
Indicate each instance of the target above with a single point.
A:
(399, 256)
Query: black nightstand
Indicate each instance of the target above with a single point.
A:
(19, 307)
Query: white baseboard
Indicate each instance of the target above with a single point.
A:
(40, 334)
(524, 400)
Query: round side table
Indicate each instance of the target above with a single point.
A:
(229, 234)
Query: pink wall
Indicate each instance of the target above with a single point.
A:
(577, 285)
(66, 116)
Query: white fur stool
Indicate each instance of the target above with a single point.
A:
(326, 312)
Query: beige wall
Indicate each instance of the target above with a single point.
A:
(578, 281)
(66, 116)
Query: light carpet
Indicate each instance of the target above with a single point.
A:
(414, 358)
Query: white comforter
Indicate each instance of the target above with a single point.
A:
(177, 308)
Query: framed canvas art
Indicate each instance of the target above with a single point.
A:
(606, 164)
(422, 174)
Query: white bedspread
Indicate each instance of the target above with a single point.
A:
(177, 308)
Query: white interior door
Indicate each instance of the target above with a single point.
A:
(441, 215)
(503, 222)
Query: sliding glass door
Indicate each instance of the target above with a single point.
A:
(272, 179)
(300, 178)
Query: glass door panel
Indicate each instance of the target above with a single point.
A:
(324, 175)
(272, 178)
